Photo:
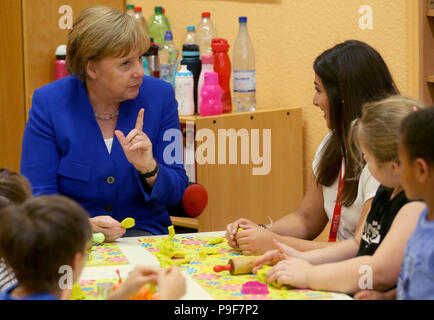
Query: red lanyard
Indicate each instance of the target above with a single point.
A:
(337, 211)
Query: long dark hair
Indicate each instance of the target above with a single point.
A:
(352, 73)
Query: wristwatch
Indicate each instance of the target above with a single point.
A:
(150, 173)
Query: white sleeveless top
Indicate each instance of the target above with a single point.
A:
(350, 216)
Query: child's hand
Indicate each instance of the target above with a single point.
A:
(272, 257)
(137, 278)
(292, 271)
(171, 284)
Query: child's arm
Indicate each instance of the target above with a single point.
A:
(137, 278)
(341, 251)
(349, 276)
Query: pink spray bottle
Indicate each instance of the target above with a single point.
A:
(211, 93)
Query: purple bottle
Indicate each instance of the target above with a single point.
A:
(211, 94)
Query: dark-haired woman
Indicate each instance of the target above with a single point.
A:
(340, 191)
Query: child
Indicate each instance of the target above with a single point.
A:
(14, 189)
(48, 232)
(376, 253)
(416, 153)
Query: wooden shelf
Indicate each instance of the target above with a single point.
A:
(430, 79)
(430, 13)
(185, 222)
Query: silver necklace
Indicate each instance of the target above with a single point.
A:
(107, 116)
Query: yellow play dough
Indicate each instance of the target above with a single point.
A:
(261, 276)
(128, 223)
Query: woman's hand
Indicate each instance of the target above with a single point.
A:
(255, 241)
(171, 284)
(137, 146)
(232, 229)
(137, 278)
(111, 228)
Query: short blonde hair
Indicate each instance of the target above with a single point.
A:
(378, 127)
(99, 32)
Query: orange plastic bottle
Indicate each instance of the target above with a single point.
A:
(222, 65)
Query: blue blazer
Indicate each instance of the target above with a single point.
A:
(64, 152)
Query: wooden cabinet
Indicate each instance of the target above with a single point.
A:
(426, 54)
(30, 31)
(243, 186)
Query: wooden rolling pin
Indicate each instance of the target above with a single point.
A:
(238, 265)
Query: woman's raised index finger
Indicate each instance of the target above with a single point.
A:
(139, 121)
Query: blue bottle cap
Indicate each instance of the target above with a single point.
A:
(168, 35)
(242, 19)
(191, 28)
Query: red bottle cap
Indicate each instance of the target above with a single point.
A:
(206, 14)
(137, 9)
(219, 45)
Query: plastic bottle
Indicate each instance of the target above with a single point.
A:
(158, 25)
(190, 57)
(205, 33)
(139, 16)
(190, 36)
(168, 56)
(207, 66)
(243, 62)
(222, 65)
(184, 91)
(60, 70)
(166, 19)
(153, 60)
(211, 92)
(130, 9)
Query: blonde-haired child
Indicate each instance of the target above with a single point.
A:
(373, 258)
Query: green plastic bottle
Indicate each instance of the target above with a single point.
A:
(158, 25)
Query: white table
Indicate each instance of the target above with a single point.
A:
(136, 254)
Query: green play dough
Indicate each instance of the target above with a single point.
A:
(98, 237)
